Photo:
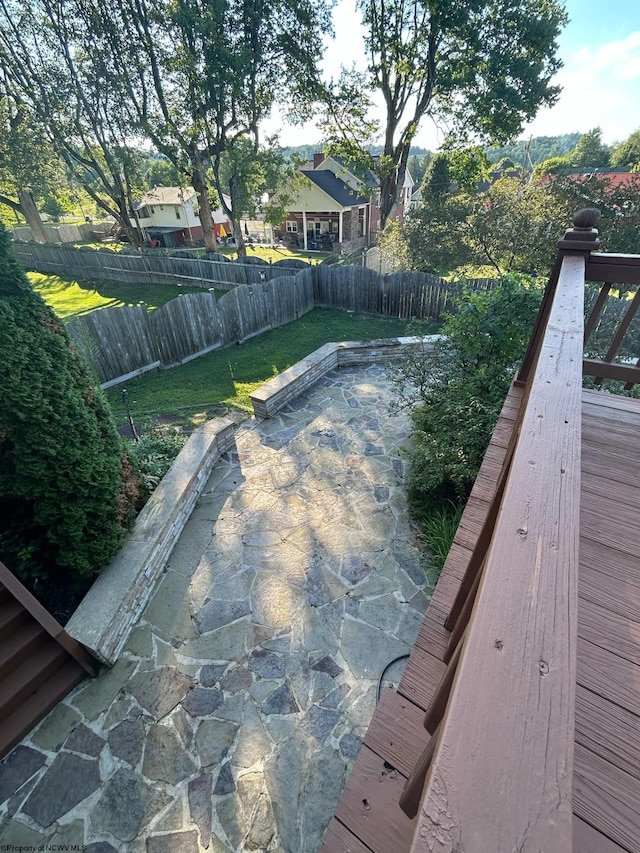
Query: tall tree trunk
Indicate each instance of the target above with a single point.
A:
(206, 219)
(31, 214)
(235, 218)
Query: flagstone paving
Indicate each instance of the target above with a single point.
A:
(233, 716)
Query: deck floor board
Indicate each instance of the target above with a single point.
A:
(607, 758)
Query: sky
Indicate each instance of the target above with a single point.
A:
(600, 78)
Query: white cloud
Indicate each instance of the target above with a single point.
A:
(600, 88)
(620, 59)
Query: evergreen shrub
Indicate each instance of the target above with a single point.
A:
(67, 488)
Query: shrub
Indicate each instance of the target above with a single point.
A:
(457, 391)
(152, 456)
(65, 483)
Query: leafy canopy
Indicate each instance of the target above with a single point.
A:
(482, 69)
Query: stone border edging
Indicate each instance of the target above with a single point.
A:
(113, 605)
(274, 394)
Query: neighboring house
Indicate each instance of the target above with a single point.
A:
(169, 216)
(338, 207)
(615, 178)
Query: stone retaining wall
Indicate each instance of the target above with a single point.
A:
(274, 394)
(111, 608)
(113, 605)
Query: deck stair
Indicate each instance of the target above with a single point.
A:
(39, 662)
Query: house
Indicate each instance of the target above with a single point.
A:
(338, 207)
(516, 722)
(168, 216)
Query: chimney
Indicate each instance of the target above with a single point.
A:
(317, 159)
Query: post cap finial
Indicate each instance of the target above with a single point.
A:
(583, 237)
(586, 218)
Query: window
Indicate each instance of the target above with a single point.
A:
(177, 213)
(292, 226)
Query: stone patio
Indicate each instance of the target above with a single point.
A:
(233, 716)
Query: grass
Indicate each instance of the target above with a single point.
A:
(271, 254)
(439, 527)
(71, 298)
(227, 377)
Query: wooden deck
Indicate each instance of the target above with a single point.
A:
(606, 788)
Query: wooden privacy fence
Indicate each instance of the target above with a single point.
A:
(150, 267)
(402, 294)
(124, 342)
(64, 233)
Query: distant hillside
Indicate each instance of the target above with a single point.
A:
(540, 148)
(306, 152)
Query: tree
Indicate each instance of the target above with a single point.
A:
(161, 173)
(506, 166)
(431, 238)
(590, 151)
(436, 184)
(552, 166)
(29, 169)
(262, 181)
(483, 67)
(66, 487)
(619, 205)
(468, 167)
(53, 65)
(627, 153)
(197, 78)
(513, 226)
(417, 165)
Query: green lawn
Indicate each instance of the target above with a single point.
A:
(227, 377)
(70, 298)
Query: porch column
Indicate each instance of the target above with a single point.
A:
(304, 228)
(340, 228)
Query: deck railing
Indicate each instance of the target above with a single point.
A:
(618, 274)
(497, 773)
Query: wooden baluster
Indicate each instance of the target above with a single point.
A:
(484, 539)
(597, 311)
(438, 705)
(414, 786)
(621, 331)
(463, 618)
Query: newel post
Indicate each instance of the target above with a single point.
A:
(582, 239)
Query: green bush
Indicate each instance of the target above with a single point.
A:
(456, 392)
(152, 456)
(67, 489)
